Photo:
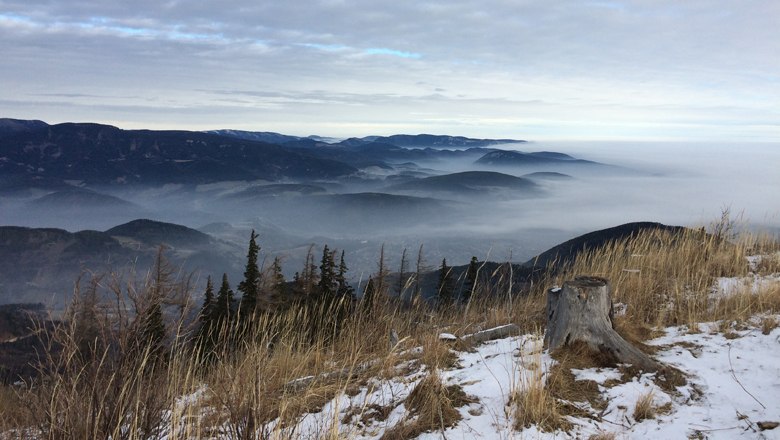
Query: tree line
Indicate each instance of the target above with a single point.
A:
(323, 288)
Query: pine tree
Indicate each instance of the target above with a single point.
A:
(250, 286)
(206, 318)
(444, 289)
(150, 330)
(471, 280)
(327, 284)
(343, 287)
(278, 284)
(206, 312)
(369, 297)
(223, 308)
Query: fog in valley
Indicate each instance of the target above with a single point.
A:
(680, 184)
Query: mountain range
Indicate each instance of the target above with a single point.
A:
(356, 194)
(36, 154)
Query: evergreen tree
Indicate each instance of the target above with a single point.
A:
(308, 277)
(369, 297)
(471, 280)
(278, 284)
(250, 286)
(444, 289)
(206, 317)
(150, 328)
(207, 310)
(327, 285)
(343, 287)
(223, 308)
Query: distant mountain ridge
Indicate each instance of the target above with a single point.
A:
(34, 154)
(102, 154)
(42, 264)
(154, 233)
(78, 198)
(398, 140)
(517, 158)
(270, 136)
(430, 141)
(10, 126)
(468, 181)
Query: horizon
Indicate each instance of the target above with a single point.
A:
(518, 139)
(592, 71)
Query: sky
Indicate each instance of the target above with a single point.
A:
(694, 70)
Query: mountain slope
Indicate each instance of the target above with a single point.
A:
(517, 158)
(558, 255)
(154, 233)
(469, 182)
(10, 126)
(79, 198)
(42, 264)
(102, 154)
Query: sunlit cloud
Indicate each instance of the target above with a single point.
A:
(391, 52)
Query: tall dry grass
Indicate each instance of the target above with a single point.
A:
(667, 278)
(532, 400)
(249, 388)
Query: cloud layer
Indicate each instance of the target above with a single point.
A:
(571, 69)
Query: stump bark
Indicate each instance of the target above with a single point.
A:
(582, 311)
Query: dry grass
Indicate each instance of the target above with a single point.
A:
(11, 403)
(603, 436)
(644, 408)
(533, 402)
(432, 406)
(562, 384)
(436, 353)
(768, 324)
(535, 405)
(746, 303)
(666, 278)
(114, 394)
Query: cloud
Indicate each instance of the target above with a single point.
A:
(391, 52)
(593, 64)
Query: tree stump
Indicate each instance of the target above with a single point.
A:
(582, 311)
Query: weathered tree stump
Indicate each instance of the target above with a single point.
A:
(582, 311)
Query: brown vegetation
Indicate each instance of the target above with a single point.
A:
(96, 386)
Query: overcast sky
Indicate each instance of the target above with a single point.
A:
(652, 69)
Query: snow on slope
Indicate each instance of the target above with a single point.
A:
(712, 405)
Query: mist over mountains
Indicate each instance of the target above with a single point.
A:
(72, 194)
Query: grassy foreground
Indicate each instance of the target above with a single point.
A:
(111, 388)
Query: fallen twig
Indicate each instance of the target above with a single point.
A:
(731, 366)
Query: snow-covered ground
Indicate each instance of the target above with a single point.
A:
(732, 389)
(733, 383)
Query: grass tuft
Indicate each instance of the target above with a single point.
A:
(432, 406)
(644, 408)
